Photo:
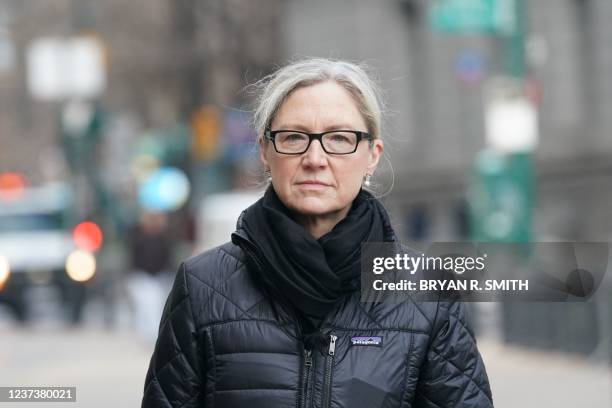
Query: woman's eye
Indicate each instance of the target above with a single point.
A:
(291, 138)
(339, 138)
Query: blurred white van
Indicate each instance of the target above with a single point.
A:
(42, 247)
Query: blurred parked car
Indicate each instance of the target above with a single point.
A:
(40, 246)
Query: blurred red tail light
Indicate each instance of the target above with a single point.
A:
(88, 236)
(12, 186)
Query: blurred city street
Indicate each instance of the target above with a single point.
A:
(127, 144)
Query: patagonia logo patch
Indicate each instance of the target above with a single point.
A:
(367, 341)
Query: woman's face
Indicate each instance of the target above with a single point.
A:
(316, 183)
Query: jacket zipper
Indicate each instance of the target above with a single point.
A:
(329, 363)
(304, 393)
(305, 378)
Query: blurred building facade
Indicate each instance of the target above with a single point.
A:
(435, 124)
(163, 60)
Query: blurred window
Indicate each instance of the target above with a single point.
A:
(31, 222)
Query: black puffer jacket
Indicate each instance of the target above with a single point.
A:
(224, 343)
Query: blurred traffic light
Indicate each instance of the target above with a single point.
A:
(88, 236)
(206, 127)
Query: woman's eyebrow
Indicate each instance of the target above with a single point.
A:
(292, 127)
(342, 126)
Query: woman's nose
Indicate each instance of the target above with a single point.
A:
(315, 155)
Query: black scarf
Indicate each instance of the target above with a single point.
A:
(312, 274)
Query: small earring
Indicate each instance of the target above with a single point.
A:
(268, 175)
(366, 180)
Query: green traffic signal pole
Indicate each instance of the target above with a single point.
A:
(516, 168)
(515, 64)
(516, 67)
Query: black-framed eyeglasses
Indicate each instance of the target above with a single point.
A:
(333, 142)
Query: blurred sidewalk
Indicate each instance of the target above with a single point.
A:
(108, 368)
(527, 378)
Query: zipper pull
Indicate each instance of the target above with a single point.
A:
(307, 358)
(332, 344)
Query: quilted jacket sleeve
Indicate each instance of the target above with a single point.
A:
(175, 371)
(453, 374)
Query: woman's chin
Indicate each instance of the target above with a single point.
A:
(313, 206)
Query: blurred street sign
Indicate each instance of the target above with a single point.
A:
(59, 68)
(470, 66)
(511, 119)
(460, 16)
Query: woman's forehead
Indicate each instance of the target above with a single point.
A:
(325, 104)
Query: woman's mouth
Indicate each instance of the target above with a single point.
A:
(312, 184)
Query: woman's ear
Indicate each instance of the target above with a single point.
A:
(263, 152)
(375, 153)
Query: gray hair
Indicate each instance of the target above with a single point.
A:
(274, 89)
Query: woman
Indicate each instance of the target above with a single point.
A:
(274, 319)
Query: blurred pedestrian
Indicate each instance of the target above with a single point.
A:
(150, 277)
(273, 318)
